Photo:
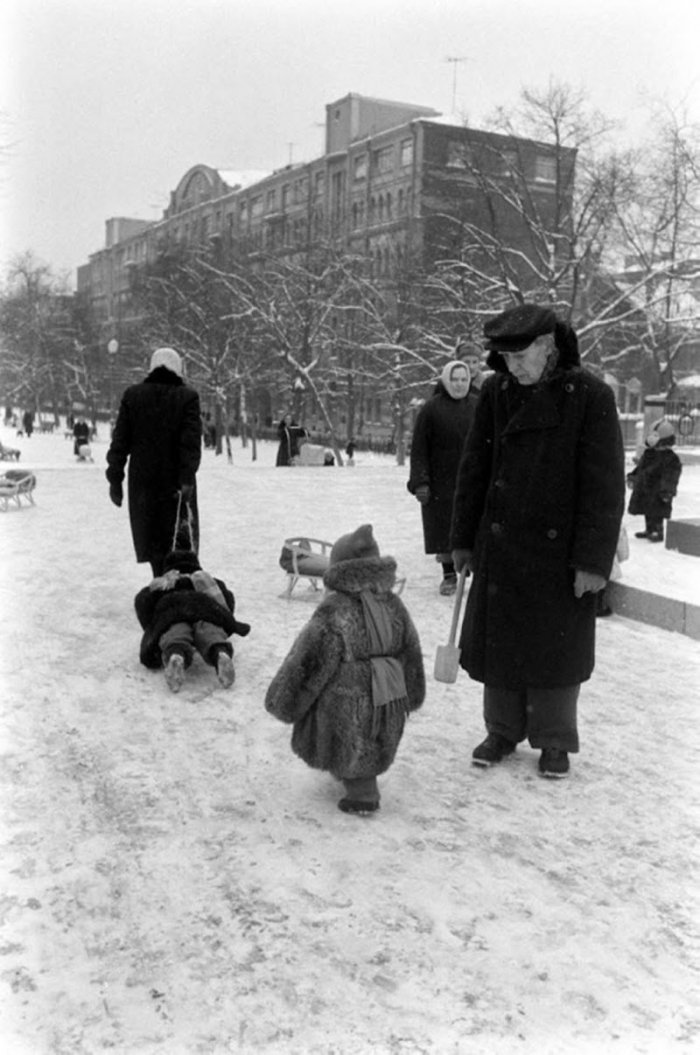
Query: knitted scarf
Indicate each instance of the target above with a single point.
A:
(388, 681)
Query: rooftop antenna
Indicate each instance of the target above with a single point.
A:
(455, 60)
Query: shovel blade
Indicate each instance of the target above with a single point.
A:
(446, 663)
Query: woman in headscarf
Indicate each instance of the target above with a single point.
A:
(438, 438)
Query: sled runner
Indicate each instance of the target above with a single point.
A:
(304, 558)
(16, 484)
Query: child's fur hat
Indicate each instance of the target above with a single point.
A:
(356, 545)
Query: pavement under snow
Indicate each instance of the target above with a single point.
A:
(175, 881)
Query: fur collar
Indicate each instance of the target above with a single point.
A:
(353, 576)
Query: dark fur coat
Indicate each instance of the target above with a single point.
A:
(158, 609)
(324, 684)
(654, 481)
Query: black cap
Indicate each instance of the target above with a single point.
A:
(517, 328)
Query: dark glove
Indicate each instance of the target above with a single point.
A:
(116, 494)
(665, 497)
(186, 490)
(423, 494)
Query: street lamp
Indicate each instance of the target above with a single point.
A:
(112, 348)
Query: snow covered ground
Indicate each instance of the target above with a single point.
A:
(175, 881)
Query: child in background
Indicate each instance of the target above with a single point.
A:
(353, 674)
(184, 610)
(654, 481)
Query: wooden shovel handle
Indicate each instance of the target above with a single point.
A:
(458, 604)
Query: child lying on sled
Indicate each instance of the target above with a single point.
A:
(186, 610)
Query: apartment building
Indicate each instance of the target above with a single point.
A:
(392, 181)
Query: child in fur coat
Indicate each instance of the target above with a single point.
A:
(183, 610)
(353, 674)
(654, 481)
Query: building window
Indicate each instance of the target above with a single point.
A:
(271, 201)
(383, 160)
(406, 153)
(256, 206)
(360, 167)
(401, 201)
(545, 168)
(243, 211)
(320, 184)
(458, 154)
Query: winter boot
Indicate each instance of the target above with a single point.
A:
(175, 671)
(492, 750)
(362, 796)
(656, 536)
(641, 534)
(448, 586)
(553, 763)
(225, 670)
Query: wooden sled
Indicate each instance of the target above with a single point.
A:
(9, 454)
(16, 484)
(304, 558)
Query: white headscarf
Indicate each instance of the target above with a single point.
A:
(168, 358)
(446, 377)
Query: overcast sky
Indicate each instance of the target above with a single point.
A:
(106, 103)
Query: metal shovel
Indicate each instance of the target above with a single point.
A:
(447, 656)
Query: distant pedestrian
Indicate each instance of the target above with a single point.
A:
(469, 352)
(183, 611)
(28, 423)
(158, 431)
(81, 435)
(291, 436)
(353, 674)
(350, 451)
(438, 438)
(539, 500)
(654, 481)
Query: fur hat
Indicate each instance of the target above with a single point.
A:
(355, 546)
(183, 560)
(663, 432)
(168, 358)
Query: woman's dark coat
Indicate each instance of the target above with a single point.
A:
(540, 493)
(324, 686)
(436, 447)
(159, 609)
(656, 474)
(159, 431)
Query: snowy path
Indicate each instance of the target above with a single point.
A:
(176, 882)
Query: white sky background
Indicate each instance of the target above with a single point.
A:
(107, 104)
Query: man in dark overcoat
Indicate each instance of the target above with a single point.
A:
(538, 505)
(159, 431)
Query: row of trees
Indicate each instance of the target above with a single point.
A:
(615, 252)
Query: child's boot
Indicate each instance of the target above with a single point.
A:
(225, 670)
(175, 671)
(361, 796)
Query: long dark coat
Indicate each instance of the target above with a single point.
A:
(540, 493)
(657, 473)
(158, 609)
(159, 431)
(324, 684)
(438, 439)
